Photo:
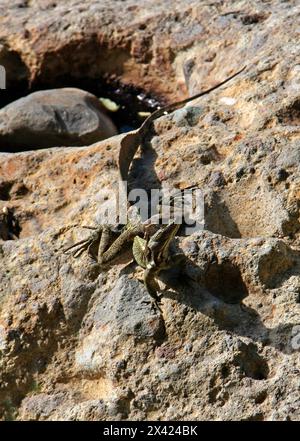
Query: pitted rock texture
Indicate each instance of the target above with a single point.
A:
(56, 117)
(82, 342)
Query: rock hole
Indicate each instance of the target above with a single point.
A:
(249, 19)
(142, 26)
(251, 363)
(5, 188)
(225, 371)
(16, 76)
(224, 280)
(251, 210)
(261, 397)
(257, 417)
(133, 105)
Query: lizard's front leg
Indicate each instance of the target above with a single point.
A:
(106, 240)
(150, 283)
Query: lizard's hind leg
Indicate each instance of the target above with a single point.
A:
(96, 244)
(106, 240)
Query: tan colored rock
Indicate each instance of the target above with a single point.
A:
(80, 342)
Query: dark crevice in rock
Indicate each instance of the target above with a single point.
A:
(9, 225)
(224, 280)
(251, 363)
(17, 75)
(32, 354)
(5, 188)
(257, 417)
(218, 218)
(291, 115)
(130, 99)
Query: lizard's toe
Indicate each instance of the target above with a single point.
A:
(155, 304)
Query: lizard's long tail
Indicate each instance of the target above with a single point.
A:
(173, 106)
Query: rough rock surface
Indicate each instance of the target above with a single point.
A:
(56, 117)
(80, 342)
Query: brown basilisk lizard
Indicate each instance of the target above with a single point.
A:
(151, 253)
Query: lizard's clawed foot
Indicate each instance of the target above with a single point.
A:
(86, 244)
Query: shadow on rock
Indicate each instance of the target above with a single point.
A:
(220, 298)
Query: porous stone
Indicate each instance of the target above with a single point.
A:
(82, 342)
